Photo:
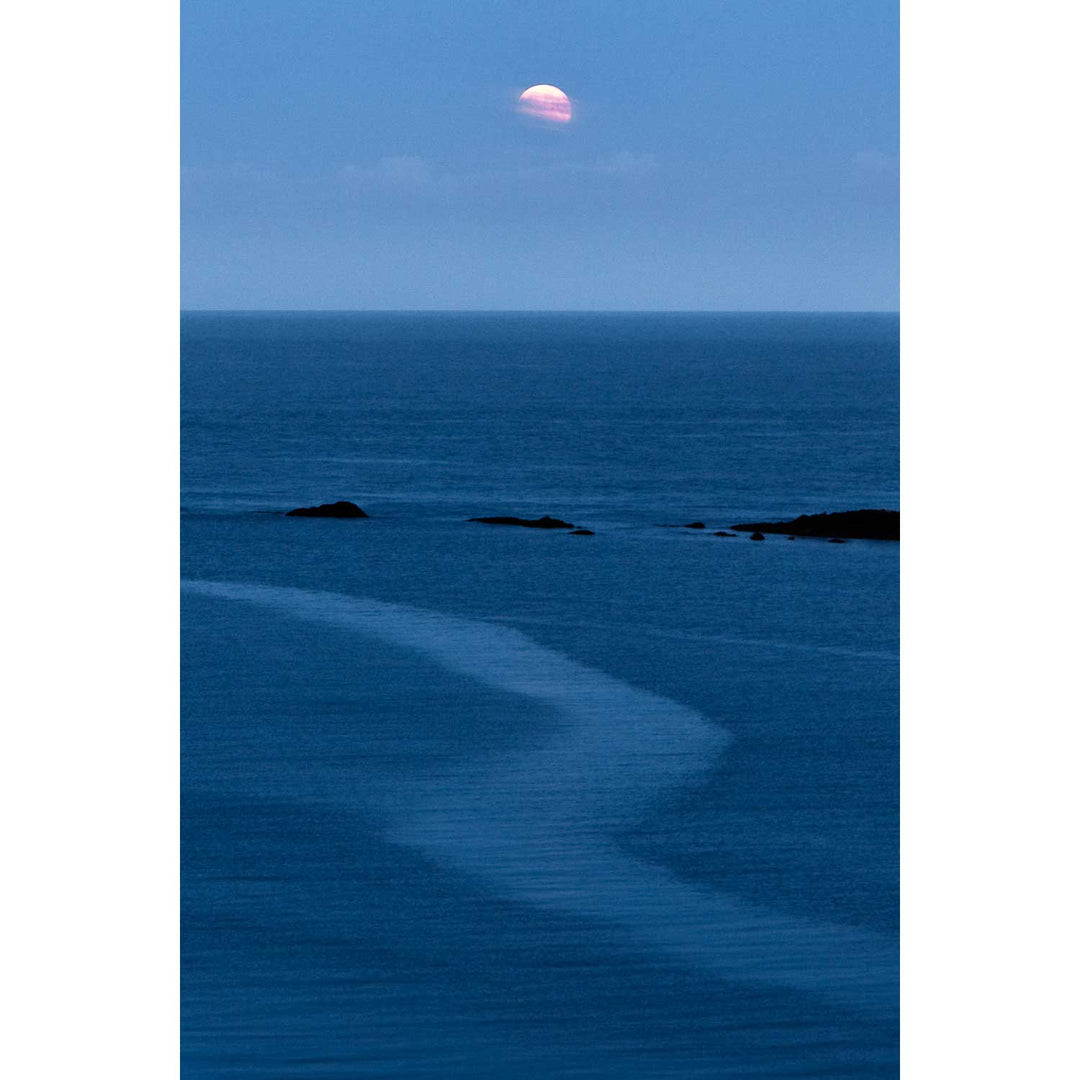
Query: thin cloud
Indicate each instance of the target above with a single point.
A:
(404, 171)
(413, 175)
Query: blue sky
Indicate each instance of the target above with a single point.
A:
(724, 155)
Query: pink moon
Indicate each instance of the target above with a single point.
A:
(545, 103)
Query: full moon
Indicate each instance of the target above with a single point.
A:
(545, 103)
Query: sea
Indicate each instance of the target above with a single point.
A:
(468, 800)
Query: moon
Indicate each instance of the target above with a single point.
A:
(544, 102)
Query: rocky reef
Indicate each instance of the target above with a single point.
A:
(847, 524)
(340, 509)
(544, 522)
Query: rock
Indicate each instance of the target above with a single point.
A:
(695, 525)
(339, 509)
(757, 536)
(722, 533)
(583, 532)
(791, 537)
(544, 522)
(836, 540)
(852, 524)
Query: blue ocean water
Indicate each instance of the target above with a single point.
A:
(474, 801)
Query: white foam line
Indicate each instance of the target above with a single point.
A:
(539, 824)
(721, 639)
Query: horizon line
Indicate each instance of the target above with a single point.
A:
(538, 311)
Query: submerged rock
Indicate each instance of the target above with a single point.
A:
(339, 509)
(757, 536)
(722, 533)
(836, 540)
(544, 522)
(695, 525)
(583, 532)
(852, 524)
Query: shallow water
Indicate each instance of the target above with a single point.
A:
(463, 800)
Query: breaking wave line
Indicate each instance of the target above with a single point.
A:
(539, 825)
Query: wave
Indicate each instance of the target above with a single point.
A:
(720, 639)
(539, 825)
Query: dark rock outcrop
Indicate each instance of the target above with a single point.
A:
(583, 532)
(757, 536)
(695, 525)
(722, 533)
(544, 522)
(852, 524)
(339, 509)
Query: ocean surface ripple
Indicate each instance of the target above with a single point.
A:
(539, 826)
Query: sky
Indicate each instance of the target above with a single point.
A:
(367, 154)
